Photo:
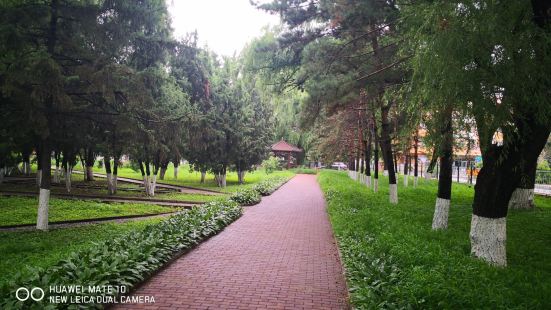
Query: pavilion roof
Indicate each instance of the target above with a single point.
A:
(284, 146)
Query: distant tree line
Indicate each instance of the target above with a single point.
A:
(82, 79)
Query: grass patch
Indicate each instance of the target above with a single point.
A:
(23, 210)
(188, 197)
(394, 260)
(187, 177)
(23, 249)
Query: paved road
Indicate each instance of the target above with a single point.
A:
(280, 255)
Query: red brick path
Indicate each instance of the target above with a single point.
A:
(279, 255)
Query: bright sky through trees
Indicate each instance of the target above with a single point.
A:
(224, 25)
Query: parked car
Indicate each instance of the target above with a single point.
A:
(339, 166)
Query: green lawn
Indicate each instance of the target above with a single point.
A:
(98, 187)
(23, 210)
(21, 250)
(193, 178)
(394, 259)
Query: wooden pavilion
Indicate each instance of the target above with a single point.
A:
(286, 152)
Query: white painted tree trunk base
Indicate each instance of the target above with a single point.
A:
(203, 174)
(522, 198)
(406, 179)
(393, 193)
(1, 175)
(114, 184)
(488, 239)
(109, 183)
(175, 173)
(90, 173)
(375, 185)
(56, 175)
(223, 181)
(146, 185)
(38, 177)
(68, 180)
(441, 213)
(415, 181)
(385, 173)
(153, 185)
(428, 175)
(368, 181)
(43, 201)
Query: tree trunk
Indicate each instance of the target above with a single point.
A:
(432, 164)
(367, 145)
(115, 172)
(148, 178)
(386, 149)
(523, 195)
(39, 165)
(376, 168)
(45, 185)
(57, 170)
(26, 154)
(496, 181)
(38, 177)
(223, 177)
(395, 161)
(107, 165)
(153, 185)
(90, 159)
(406, 171)
(203, 174)
(442, 207)
(164, 167)
(176, 166)
(241, 176)
(144, 176)
(416, 161)
(68, 173)
(223, 181)
(1, 175)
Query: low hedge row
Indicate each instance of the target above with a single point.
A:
(252, 196)
(268, 186)
(125, 260)
(246, 197)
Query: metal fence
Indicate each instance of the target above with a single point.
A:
(543, 177)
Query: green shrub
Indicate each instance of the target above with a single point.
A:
(271, 164)
(543, 165)
(268, 186)
(246, 197)
(125, 260)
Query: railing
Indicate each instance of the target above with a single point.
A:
(543, 177)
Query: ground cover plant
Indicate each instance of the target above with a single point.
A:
(268, 186)
(126, 260)
(394, 260)
(24, 249)
(246, 197)
(22, 210)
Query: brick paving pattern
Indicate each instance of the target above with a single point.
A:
(280, 254)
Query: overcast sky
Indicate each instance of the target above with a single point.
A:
(224, 25)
